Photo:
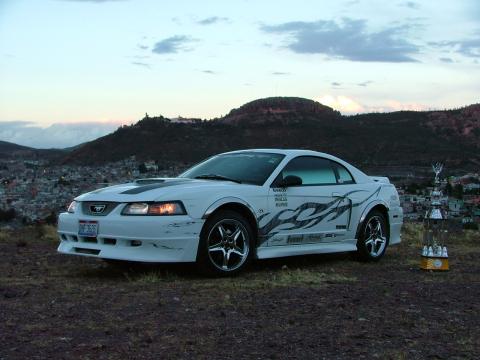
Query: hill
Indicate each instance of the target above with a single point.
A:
(11, 150)
(406, 138)
(282, 110)
(7, 148)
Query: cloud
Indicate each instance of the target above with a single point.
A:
(172, 44)
(139, 57)
(395, 105)
(466, 47)
(341, 103)
(145, 65)
(410, 4)
(365, 83)
(212, 20)
(211, 72)
(94, 1)
(336, 83)
(347, 105)
(280, 73)
(348, 39)
(60, 135)
(446, 60)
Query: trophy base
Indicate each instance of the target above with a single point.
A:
(434, 263)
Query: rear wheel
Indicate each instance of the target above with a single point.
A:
(226, 244)
(373, 237)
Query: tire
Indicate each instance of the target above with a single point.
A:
(373, 237)
(226, 244)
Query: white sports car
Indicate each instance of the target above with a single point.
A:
(234, 207)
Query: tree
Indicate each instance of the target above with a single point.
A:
(7, 215)
(458, 191)
(51, 219)
(448, 189)
(412, 188)
(63, 181)
(142, 168)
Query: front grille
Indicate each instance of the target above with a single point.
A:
(89, 239)
(103, 207)
(109, 241)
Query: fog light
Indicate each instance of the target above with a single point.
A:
(135, 243)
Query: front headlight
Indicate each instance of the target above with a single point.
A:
(72, 207)
(156, 208)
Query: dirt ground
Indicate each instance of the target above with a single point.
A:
(318, 307)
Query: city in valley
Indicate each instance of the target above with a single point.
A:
(33, 191)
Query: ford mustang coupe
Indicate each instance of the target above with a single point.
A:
(237, 206)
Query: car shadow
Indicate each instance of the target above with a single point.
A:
(150, 272)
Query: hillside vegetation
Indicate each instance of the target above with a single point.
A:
(405, 138)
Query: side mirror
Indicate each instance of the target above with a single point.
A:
(290, 180)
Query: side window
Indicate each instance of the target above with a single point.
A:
(312, 170)
(344, 176)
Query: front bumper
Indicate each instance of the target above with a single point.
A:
(133, 238)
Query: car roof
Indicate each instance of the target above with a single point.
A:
(359, 175)
(293, 152)
(276, 151)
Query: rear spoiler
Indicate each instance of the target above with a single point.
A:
(380, 179)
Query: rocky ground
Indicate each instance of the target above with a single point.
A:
(318, 307)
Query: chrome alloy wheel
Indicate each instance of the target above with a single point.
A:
(228, 244)
(375, 239)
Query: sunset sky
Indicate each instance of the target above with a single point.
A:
(73, 70)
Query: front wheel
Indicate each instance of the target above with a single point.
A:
(226, 244)
(373, 237)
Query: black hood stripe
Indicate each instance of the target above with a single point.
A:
(144, 188)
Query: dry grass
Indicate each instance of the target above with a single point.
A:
(299, 277)
(48, 233)
(412, 235)
(4, 235)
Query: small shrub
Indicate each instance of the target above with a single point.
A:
(470, 226)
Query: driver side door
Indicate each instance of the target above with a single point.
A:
(315, 211)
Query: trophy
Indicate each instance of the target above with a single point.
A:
(435, 229)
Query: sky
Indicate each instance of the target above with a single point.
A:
(74, 70)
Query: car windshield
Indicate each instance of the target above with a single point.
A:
(245, 167)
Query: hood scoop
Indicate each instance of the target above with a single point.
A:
(149, 181)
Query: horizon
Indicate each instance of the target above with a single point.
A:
(82, 68)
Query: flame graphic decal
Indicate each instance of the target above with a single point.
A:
(320, 212)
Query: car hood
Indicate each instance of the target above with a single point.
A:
(158, 190)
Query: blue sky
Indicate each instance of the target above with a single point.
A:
(95, 64)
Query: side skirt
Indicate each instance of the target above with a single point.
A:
(269, 252)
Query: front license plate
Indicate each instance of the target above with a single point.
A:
(87, 228)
